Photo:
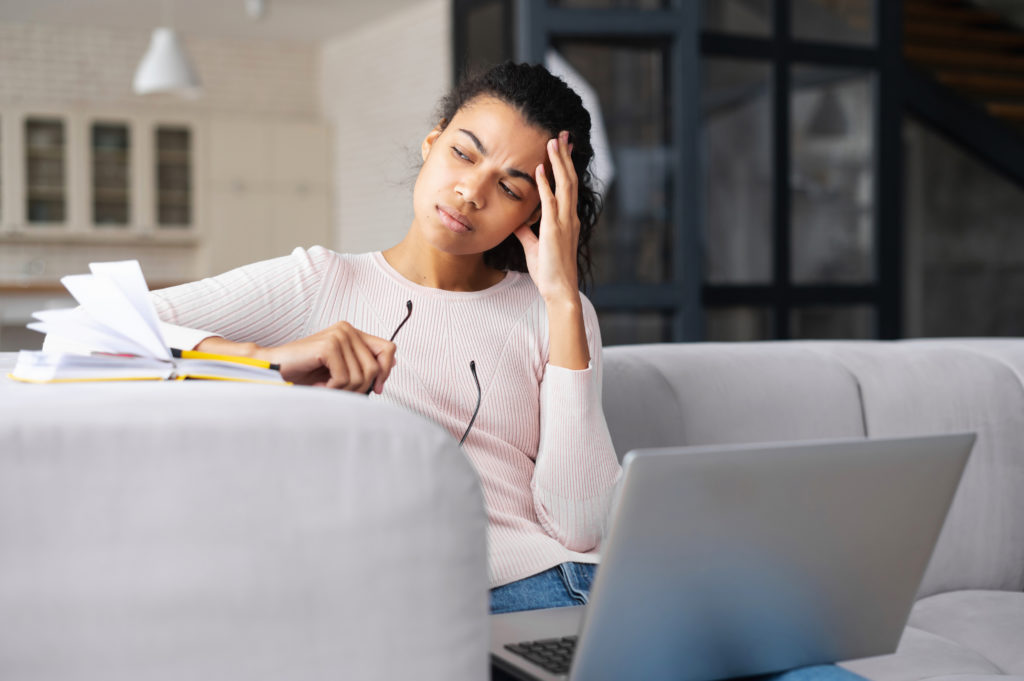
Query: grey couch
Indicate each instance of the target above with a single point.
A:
(220, 531)
(968, 622)
(195, 530)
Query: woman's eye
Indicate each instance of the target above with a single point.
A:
(505, 188)
(460, 154)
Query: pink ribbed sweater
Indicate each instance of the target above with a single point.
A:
(539, 444)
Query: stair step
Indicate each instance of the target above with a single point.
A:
(917, 11)
(951, 57)
(983, 83)
(1011, 112)
(927, 33)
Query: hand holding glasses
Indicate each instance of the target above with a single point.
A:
(472, 369)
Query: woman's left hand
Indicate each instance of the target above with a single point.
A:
(551, 257)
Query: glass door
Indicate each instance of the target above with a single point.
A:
(800, 127)
(634, 64)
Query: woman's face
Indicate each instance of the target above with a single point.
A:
(477, 183)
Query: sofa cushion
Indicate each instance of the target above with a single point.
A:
(920, 387)
(923, 655)
(219, 530)
(988, 622)
(960, 635)
(710, 393)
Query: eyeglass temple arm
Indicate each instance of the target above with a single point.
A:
(479, 396)
(408, 313)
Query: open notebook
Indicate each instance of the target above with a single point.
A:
(117, 322)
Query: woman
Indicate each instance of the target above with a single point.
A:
(503, 210)
(482, 300)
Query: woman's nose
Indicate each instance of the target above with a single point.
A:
(470, 188)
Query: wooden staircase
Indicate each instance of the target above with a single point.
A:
(975, 52)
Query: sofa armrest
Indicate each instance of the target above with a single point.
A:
(209, 530)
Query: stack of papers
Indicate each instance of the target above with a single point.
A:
(117, 321)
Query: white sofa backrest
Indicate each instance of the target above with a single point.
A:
(708, 393)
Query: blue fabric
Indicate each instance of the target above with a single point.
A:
(820, 672)
(561, 586)
(569, 584)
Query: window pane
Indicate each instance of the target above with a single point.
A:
(486, 34)
(45, 191)
(737, 139)
(613, 4)
(832, 180)
(625, 328)
(750, 17)
(834, 21)
(856, 322)
(173, 176)
(738, 324)
(633, 241)
(964, 258)
(110, 153)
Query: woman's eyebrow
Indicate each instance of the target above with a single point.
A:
(513, 172)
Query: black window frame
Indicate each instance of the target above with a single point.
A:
(533, 25)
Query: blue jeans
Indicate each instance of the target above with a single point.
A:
(562, 585)
(569, 584)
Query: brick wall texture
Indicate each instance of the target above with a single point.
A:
(64, 65)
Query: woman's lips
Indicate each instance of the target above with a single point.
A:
(454, 220)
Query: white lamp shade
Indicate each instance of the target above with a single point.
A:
(165, 67)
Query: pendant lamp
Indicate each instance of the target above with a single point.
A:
(829, 119)
(165, 68)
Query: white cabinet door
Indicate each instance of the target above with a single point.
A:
(240, 230)
(301, 218)
(240, 152)
(270, 190)
(301, 156)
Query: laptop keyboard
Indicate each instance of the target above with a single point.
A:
(553, 654)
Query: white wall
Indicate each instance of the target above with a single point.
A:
(78, 65)
(379, 87)
(70, 68)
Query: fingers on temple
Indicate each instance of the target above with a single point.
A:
(565, 176)
(547, 197)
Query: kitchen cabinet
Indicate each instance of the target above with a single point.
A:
(206, 192)
(269, 190)
(97, 175)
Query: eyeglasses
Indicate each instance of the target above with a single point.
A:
(472, 369)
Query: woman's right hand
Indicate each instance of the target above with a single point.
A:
(340, 356)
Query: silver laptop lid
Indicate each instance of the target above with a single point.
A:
(730, 561)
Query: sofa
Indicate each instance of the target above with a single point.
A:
(206, 530)
(220, 531)
(968, 621)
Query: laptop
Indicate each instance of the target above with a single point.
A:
(731, 561)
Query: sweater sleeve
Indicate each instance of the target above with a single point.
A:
(268, 302)
(576, 469)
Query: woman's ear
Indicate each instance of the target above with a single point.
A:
(428, 141)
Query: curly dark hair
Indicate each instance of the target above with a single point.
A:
(544, 101)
